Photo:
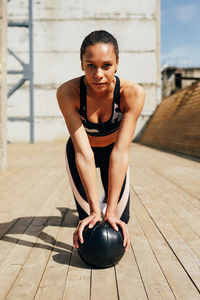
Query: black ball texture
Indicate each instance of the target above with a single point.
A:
(103, 246)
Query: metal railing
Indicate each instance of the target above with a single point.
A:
(27, 72)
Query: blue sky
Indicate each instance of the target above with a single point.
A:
(180, 32)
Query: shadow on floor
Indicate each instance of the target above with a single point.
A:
(179, 154)
(34, 226)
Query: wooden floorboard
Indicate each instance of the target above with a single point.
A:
(38, 217)
(179, 170)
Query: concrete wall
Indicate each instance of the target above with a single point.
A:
(3, 90)
(59, 28)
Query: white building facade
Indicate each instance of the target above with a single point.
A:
(59, 26)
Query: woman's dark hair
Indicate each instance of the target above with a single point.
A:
(99, 36)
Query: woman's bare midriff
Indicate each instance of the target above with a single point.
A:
(102, 141)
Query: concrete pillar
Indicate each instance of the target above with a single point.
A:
(158, 81)
(3, 86)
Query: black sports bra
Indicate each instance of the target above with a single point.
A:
(101, 128)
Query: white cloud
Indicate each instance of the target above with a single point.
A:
(167, 12)
(182, 13)
(185, 12)
(180, 51)
(182, 56)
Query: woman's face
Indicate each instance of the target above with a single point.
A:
(99, 64)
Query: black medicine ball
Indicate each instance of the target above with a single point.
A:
(103, 246)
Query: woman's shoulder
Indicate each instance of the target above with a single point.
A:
(130, 88)
(132, 94)
(68, 94)
(69, 88)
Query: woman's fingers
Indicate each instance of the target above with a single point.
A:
(75, 239)
(80, 228)
(78, 234)
(114, 222)
(126, 242)
(124, 231)
(91, 221)
(94, 220)
(114, 225)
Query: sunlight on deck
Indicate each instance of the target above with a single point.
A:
(38, 217)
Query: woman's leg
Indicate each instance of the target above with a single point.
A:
(75, 182)
(102, 156)
(123, 206)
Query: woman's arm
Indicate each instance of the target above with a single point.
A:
(67, 99)
(133, 101)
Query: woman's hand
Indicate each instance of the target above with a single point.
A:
(92, 219)
(114, 222)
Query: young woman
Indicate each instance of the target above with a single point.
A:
(101, 112)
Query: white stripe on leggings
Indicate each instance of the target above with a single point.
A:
(124, 199)
(79, 198)
(84, 204)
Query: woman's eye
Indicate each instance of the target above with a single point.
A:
(91, 66)
(106, 66)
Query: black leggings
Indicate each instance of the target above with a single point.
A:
(102, 157)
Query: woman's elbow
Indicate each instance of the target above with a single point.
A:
(86, 156)
(119, 157)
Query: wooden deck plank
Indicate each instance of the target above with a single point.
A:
(18, 225)
(38, 261)
(175, 198)
(77, 283)
(39, 155)
(11, 177)
(171, 212)
(182, 286)
(153, 277)
(33, 175)
(129, 281)
(179, 192)
(34, 262)
(39, 242)
(64, 271)
(23, 204)
(15, 194)
(184, 253)
(103, 284)
(78, 279)
(183, 172)
(23, 246)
